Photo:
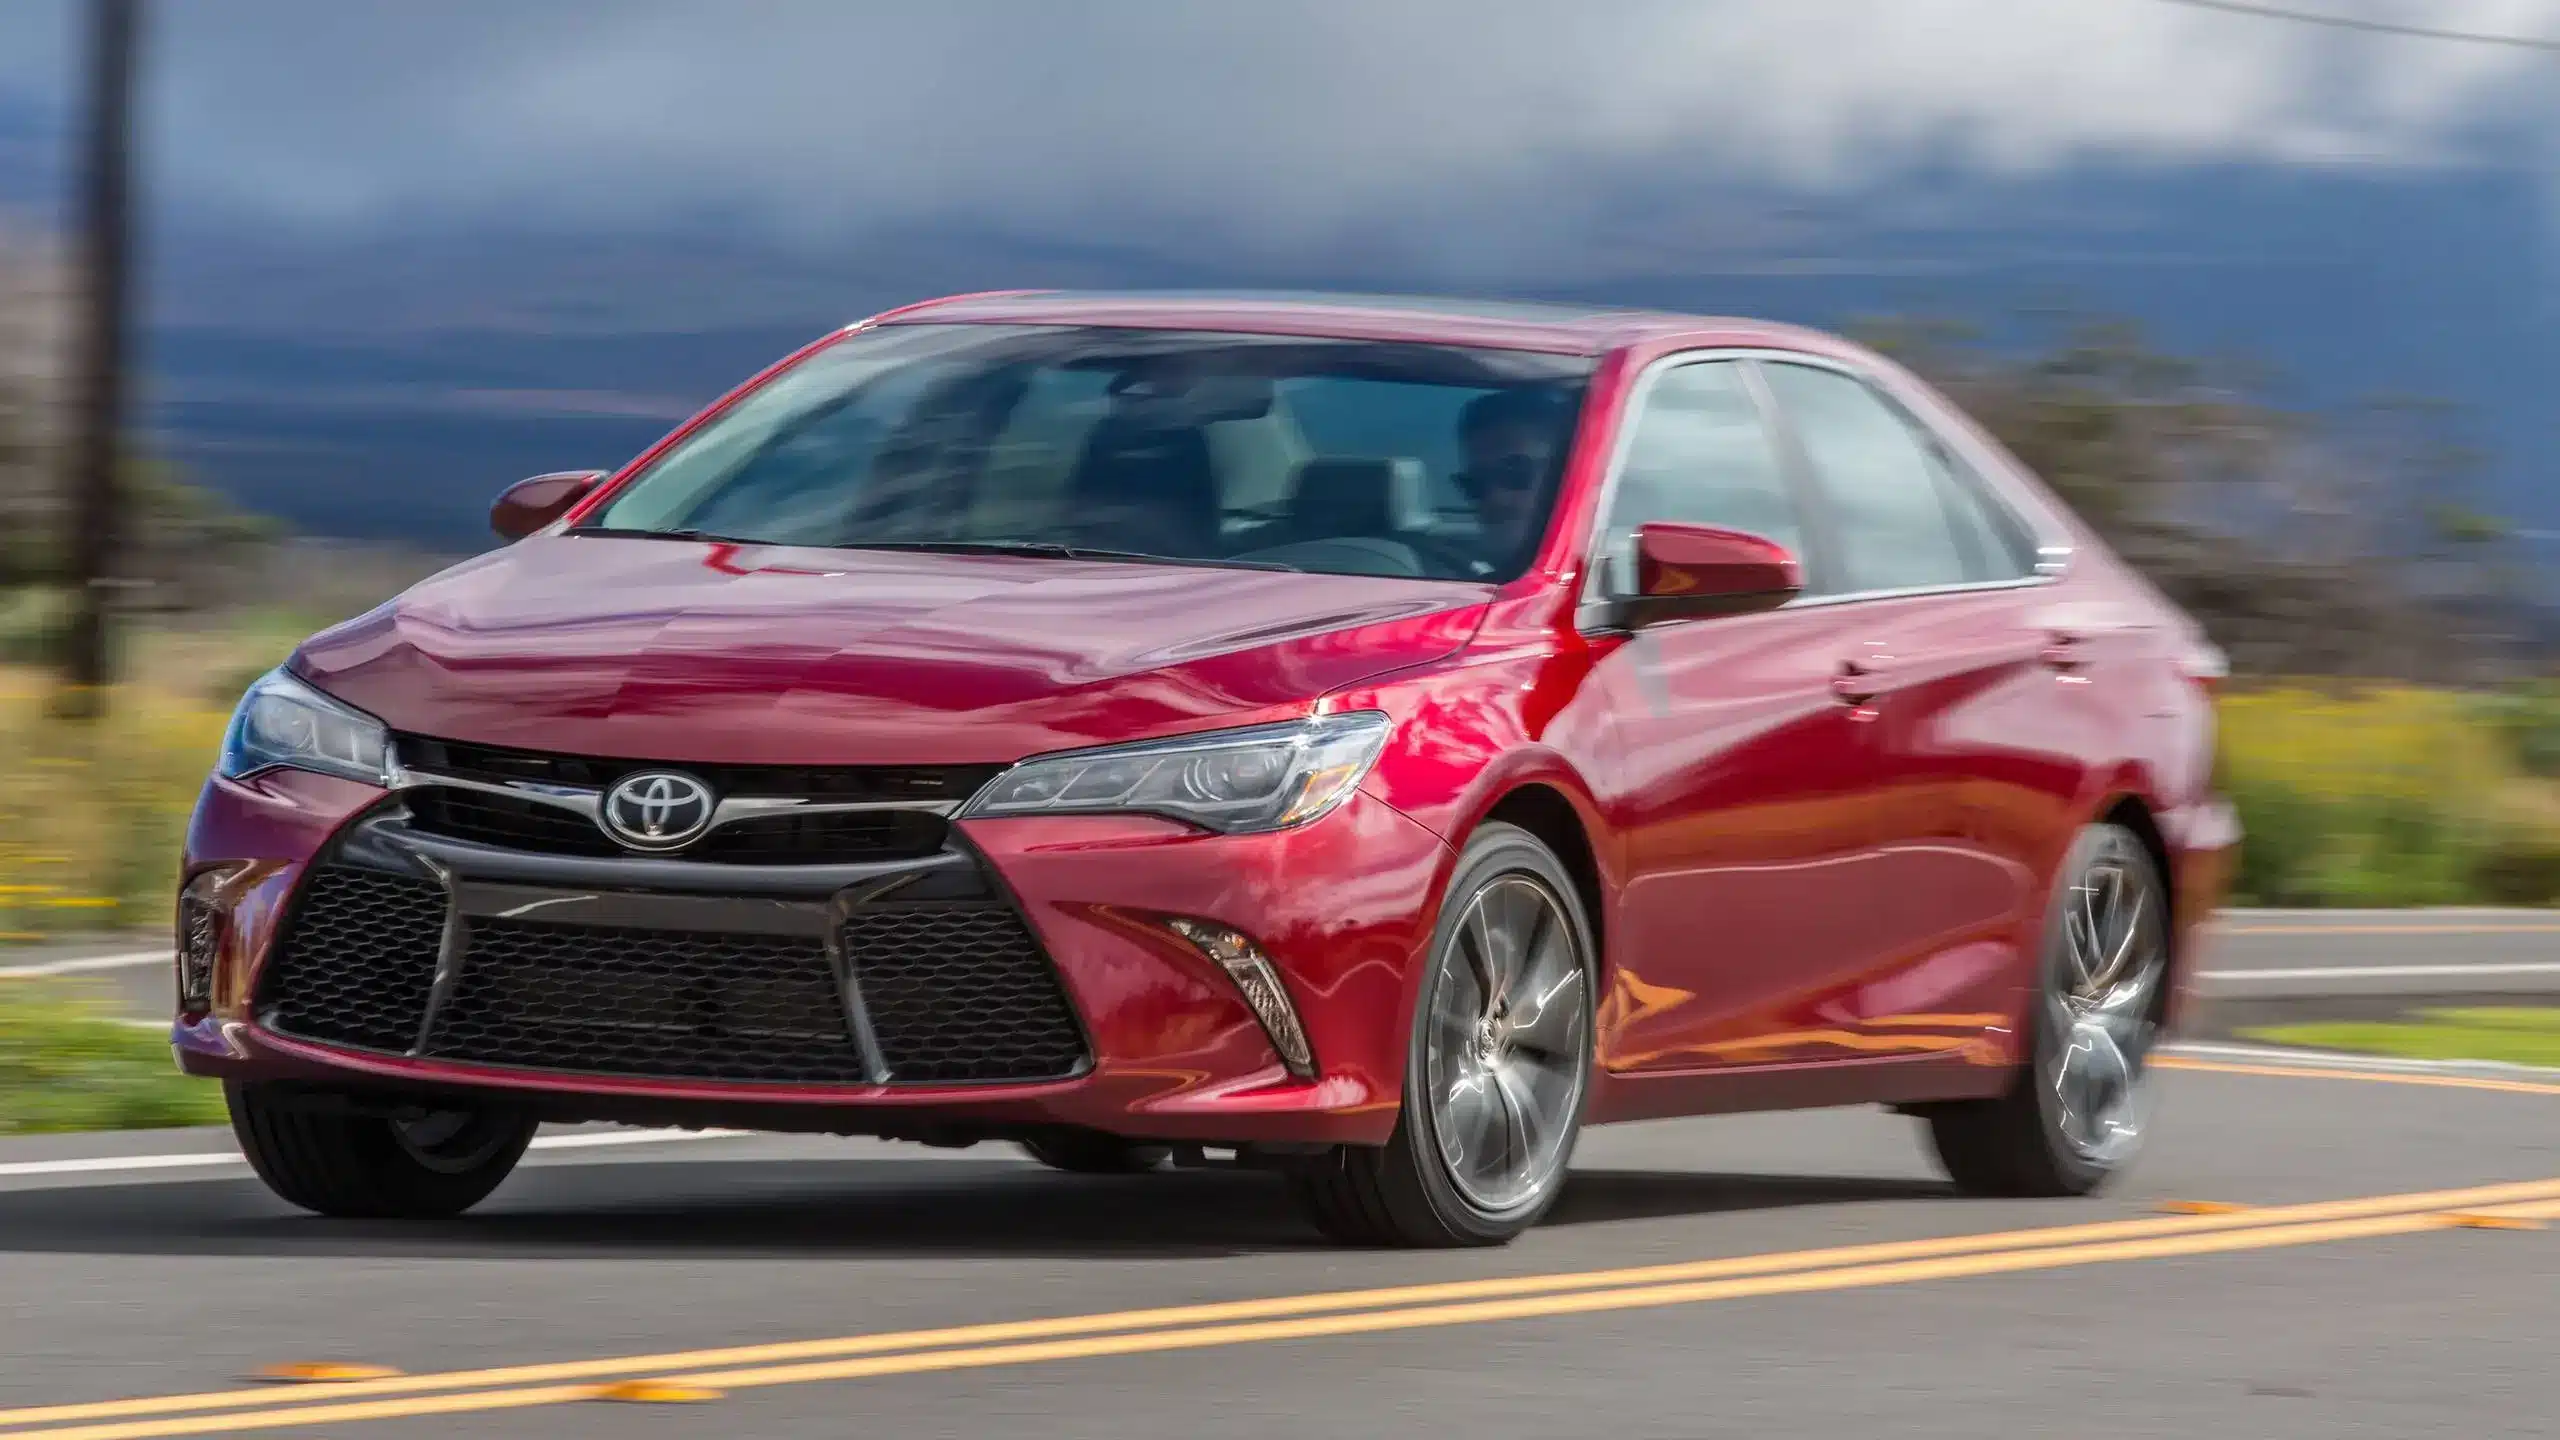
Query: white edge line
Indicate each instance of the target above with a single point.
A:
(125, 961)
(110, 1164)
(2381, 972)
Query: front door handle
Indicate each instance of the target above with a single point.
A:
(1858, 681)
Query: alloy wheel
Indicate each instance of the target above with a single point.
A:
(2101, 994)
(1507, 1052)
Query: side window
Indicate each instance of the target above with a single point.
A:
(1888, 502)
(1994, 545)
(1701, 454)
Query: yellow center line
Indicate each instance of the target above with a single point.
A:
(418, 1394)
(1578, 1303)
(2386, 1077)
(2207, 1242)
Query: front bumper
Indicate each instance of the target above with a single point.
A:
(1168, 1047)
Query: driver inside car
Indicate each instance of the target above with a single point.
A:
(1508, 439)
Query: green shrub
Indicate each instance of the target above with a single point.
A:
(2520, 867)
(2387, 796)
(2527, 721)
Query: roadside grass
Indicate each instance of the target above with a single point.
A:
(67, 1063)
(2518, 1035)
(91, 816)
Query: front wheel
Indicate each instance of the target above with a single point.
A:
(413, 1165)
(1499, 1063)
(2080, 1107)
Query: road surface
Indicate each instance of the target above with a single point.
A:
(142, 1276)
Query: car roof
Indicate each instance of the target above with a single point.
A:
(1562, 329)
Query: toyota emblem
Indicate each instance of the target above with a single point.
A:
(657, 810)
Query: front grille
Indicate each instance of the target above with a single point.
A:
(648, 1002)
(356, 960)
(842, 838)
(921, 783)
(954, 992)
(506, 821)
(838, 838)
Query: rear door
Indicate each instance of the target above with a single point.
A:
(1968, 683)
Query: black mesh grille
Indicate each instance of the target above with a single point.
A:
(954, 992)
(356, 961)
(648, 1002)
(960, 992)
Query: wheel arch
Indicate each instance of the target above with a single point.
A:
(1538, 792)
(1545, 812)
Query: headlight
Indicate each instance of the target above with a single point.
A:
(1266, 777)
(282, 721)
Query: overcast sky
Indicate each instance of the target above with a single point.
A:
(522, 212)
(1265, 124)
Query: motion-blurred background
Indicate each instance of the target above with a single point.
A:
(2272, 293)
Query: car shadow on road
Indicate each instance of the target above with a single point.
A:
(825, 1209)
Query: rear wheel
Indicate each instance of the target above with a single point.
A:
(414, 1164)
(1500, 1059)
(2079, 1110)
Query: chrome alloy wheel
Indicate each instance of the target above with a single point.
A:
(2101, 994)
(1508, 1048)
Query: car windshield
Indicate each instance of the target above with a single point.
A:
(1335, 456)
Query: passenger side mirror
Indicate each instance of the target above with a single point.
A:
(1689, 570)
(528, 505)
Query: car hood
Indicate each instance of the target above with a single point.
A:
(680, 650)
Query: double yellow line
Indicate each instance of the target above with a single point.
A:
(1294, 1317)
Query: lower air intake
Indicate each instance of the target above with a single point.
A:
(954, 992)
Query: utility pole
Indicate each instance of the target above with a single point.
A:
(98, 378)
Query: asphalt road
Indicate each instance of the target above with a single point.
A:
(135, 1268)
(126, 1284)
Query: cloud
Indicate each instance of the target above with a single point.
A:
(1262, 127)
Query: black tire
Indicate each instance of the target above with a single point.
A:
(1403, 1194)
(1089, 1153)
(426, 1167)
(2015, 1145)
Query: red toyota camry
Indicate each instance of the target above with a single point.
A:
(1365, 739)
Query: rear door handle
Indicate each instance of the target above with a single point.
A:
(2065, 651)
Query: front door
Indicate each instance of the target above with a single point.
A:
(1745, 783)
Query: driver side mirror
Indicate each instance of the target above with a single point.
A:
(528, 505)
(1683, 571)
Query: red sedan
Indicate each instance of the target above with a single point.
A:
(1365, 739)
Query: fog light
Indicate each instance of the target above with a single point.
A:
(199, 941)
(1253, 974)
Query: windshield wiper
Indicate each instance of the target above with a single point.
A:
(622, 532)
(1054, 550)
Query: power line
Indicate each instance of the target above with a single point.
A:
(2372, 27)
